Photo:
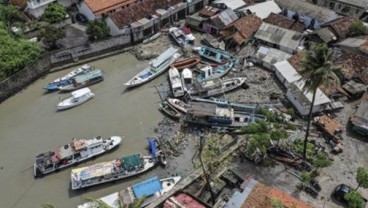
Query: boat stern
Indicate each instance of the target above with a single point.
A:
(36, 171)
(114, 141)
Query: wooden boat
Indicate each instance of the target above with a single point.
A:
(186, 63)
(152, 189)
(152, 38)
(120, 168)
(83, 80)
(209, 72)
(213, 54)
(169, 110)
(78, 97)
(156, 67)
(211, 88)
(175, 81)
(178, 104)
(75, 152)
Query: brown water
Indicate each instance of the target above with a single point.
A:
(30, 125)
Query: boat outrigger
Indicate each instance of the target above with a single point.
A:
(75, 152)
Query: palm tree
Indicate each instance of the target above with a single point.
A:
(318, 69)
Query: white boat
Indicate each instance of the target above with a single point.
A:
(75, 72)
(156, 67)
(179, 36)
(175, 81)
(187, 79)
(178, 104)
(75, 152)
(84, 80)
(211, 88)
(78, 97)
(152, 189)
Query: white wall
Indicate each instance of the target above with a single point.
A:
(114, 30)
(37, 12)
(303, 110)
(84, 9)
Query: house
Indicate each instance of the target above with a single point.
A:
(262, 10)
(280, 38)
(184, 200)
(286, 73)
(312, 16)
(256, 194)
(353, 66)
(355, 8)
(357, 45)
(267, 57)
(196, 20)
(220, 21)
(359, 120)
(355, 89)
(228, 4)
(284, 22)
(242, 30)
(36, 8)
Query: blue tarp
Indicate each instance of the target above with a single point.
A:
(152, 145)
(147, 187)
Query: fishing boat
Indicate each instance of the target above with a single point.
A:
(214, 87)
(118, 169)
(83, 80)
(210, 72)
(187, 80)
(78, 97)
(169, 110)
(213, 54)
(178, 104)
(175, 81)
(152, 38)
(77, 151)
(151, 189)
(186, 63)
(225, 103)
(66, 80)
(156, 67)
(179, 36)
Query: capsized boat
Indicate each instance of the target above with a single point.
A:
(169, 110)
(151, 189)
(118, 169)
(178, 104)
(84, 80)
(186, 63)
(175, 81)
(75, 152)
(211, 88)
(210, 72)
(78, 97)
(66, 80)
(213, 54)
(179, 36)
(156, 67)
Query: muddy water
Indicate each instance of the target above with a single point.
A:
(29, 124)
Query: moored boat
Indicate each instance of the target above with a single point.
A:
(118, 169)
(78, 97)
(75, 152)
(156, 67)
(83, 80)
(175, 81)
(186, 63)
(213, 54)
(178, 104)
(169, 110)
(151, 189)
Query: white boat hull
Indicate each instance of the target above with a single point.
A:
(71, 103)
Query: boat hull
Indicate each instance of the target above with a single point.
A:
(186, 63)
(169, 110)
(178, 104)
(66, 104)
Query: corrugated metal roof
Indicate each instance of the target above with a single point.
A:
(359, 3)
(326, 34)
(262, 10)
(164, 56)
(272, 56)
(238, 198)
(147, 187)
(287, 71)
(225, 18)
(352, 42)
(231, 4)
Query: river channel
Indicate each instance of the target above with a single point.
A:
(30, 125)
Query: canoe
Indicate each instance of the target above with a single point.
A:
(186, 63)
(169, 110)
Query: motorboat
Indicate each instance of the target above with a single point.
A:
(215, 87)
(209, 72)
(84, 80)
(187, 80)
(175, 81)
(179, 36)
(78, 97)
(178, 104)
(169, 110)
(216, 55)
(78, 150)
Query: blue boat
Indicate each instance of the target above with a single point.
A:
(54, 86)
(209, 72)
(216, 55)
(84, 80)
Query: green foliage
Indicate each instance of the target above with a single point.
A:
(50, 35)
(357, 29)
(321, 161)
(291, 126)
(9, 14)
(298, 146)
(47, 206)
(262, 141)
(97, 202)
(291, 112)
(97, 29)
(54, 13)
(276, 203)
(305, 177)
(279, 134)
(354, 199)
(362, 178)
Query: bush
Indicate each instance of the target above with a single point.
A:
(54, 13)
(354, 199)
(357, 29)
(291, 126)
(97, 29)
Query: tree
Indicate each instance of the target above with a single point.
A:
(276, 203)
(362, 178)
(54, 13)
(321, 161)
(354, 199)
(9, 14)
(318, 69)
(357, 29)
(50, 35)
(97, 29)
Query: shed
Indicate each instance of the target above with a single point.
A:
(262, 10)
(270, 56)
(224, 18)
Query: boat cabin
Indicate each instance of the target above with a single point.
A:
(90, 77)
(206, 72)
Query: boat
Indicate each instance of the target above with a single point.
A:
(78, 97)
(175, 81)
(225, 103)
(152, 38)
(169, 110)
(113, 170)
(211, 88)
(78, 150)
(152, 189)
(179, 36)
(156, 67)
(213, 54)
(186, 63)
(187, 80)
(178, 104)
(83, 80)
(66, 80)
(210, 72)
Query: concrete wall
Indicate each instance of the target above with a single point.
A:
(302, 110)
(37, 12)
(84, 9)
(342, 8)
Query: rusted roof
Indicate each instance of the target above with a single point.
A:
(209, 11)
(341, 25)
(101, 6)
(329, 125)
(353, 66)
(284, 22)
(246, 27)
(296, 61)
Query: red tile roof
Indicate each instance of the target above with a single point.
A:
(341, 25)
(284, 22)
(182, 201)
(101, 6)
